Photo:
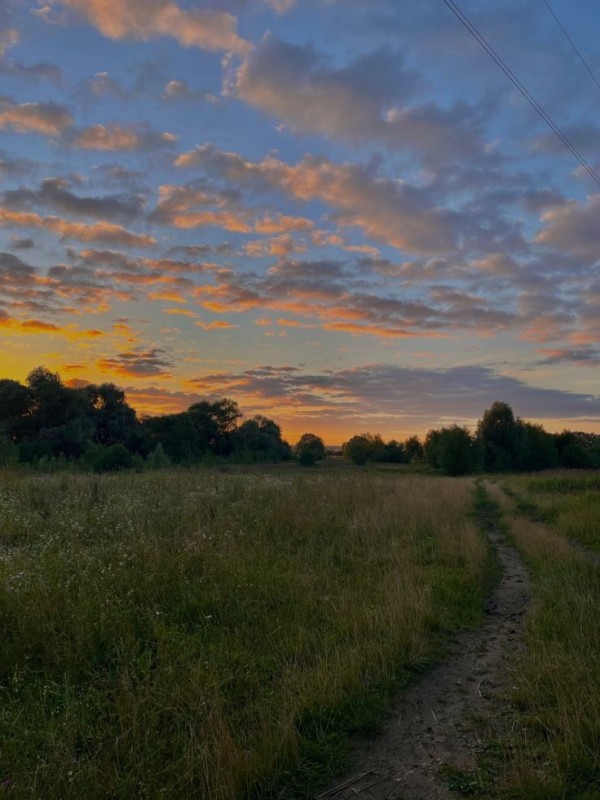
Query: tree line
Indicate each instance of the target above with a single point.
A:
(48, 425)
(501, 443)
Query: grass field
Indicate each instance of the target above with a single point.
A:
(217, 635)
(553, 748)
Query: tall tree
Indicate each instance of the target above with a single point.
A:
(498, 434)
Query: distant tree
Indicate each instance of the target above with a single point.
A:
(451, 450)
(414, 448)
(112, 418)
(430, 447)
(259, 439)
(575, 450)
(498, 434)
(178, 435)
(15, 404)
(393, 452)
(214, 423)
(536, 449)
(310, 449)
(358, 449)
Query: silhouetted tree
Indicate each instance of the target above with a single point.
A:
(358, 449)
(259, 439)
(113, 420)
(214, 423)
(15, 404)
(452, 450)
(178, 435)
(414, 449)
(498, 434)
(535, 448)
(310, 449)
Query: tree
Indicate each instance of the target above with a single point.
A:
(498, 434)
(259, 439)
(178, 435)
(451, 450)
(15, 404)
(114, 421)
(214, 423)
(393, 452)
(414, 449)
(358, 449)
(310, 449)
(535, 448)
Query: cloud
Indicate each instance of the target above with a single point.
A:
(205, 28)
(397, 213)
(21, 243)
(587, 356)
(573, 227)
(53, 193)
(124, 138)
(298, 85)
(395, 392)
(331, 293)
(150, 363)
(181, 90)
(49, 119)
(9, 37)
(96, 232)
(367, 100)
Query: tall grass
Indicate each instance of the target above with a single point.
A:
(555, 753)
(571, 500)
(207, 635)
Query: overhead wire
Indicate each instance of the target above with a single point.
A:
(522, 88)
(573, 45)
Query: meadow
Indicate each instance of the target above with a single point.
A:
(551, 750)
(219, 634)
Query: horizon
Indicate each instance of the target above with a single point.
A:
(344, 219)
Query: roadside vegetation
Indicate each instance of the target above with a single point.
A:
(552, 748)
(189, 633)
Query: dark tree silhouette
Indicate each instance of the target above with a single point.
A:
(310, 449)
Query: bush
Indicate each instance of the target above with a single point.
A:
(113, 459)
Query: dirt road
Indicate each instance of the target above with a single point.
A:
(432, 736)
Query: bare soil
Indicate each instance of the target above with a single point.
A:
(434, 733)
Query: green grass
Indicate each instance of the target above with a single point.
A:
(197, 634)
(552, 751)
(569, 500)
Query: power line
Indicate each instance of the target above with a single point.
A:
(573, 45)
(521, 87)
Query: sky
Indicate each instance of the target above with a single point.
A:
(340, 214)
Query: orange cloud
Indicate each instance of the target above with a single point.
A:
(210, 326)
(221, 219)
(384, 209)
(37, 326)
(116, 137)
(208, 29)
(48, 119)
(94, 232)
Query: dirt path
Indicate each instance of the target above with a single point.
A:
(440, 720)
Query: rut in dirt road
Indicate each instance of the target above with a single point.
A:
(438, 722)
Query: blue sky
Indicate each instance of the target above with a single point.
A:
(340, 214)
